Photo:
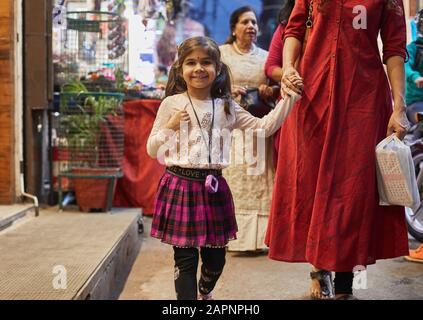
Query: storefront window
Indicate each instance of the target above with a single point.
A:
(144, 43)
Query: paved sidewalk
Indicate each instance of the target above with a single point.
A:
(257, 277)
(10, 213)
(90, 250)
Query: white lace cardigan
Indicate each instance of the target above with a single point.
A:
(186, 148)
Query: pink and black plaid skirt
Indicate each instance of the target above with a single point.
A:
(186, 215)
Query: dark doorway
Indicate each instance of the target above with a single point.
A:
(38, 95)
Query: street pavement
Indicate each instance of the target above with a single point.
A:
(256, 277)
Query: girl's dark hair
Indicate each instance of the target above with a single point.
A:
(221, 87)
(285, 11)
(234, 20)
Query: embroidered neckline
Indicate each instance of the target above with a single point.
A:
(251, 52)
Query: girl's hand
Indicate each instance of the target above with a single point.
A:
(265, 91)
(238, 90)
(398, 123)
(291, 81)
(174, 122)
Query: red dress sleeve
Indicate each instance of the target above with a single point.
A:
(274, 59)
(296, 25)
(393, 30)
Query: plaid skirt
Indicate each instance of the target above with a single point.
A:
(186, 215)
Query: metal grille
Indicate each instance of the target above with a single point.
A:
(79, 243)
(93, 49)
(90, 131)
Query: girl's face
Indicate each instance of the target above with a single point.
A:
(199, 70)
(246, 28)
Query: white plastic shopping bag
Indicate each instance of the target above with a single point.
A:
(396, 179)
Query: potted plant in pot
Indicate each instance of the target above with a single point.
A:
(91, 129)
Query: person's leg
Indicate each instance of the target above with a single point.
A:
(186, 263)
(415, 255)
(344, 286)
(213, 261)
(321, 286)
(344, 282)
(314, 285)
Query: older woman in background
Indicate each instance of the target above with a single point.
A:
(251, 193)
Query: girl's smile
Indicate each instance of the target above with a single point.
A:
(199, 71)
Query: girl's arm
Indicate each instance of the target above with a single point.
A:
(273, 66)
(160, 133)
(269, 123)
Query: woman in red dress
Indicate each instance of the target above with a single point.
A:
(325, 208)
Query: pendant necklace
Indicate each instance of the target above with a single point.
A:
(211, 184)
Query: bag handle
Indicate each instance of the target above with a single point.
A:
(389, 139)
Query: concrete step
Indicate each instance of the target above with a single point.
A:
(69, 255)
(12, 213)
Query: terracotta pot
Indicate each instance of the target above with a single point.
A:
(92, 193)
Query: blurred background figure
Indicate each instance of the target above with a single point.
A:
(252, 193)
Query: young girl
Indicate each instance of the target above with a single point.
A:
(194, 207)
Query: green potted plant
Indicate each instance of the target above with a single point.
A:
(91, 130)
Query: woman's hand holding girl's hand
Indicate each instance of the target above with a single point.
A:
(398, 123)
(291, 81)
(238, 90)
(175, 120)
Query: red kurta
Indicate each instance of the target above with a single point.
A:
(325, 203)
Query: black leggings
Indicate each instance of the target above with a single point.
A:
(186, 263)
(343, 282)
